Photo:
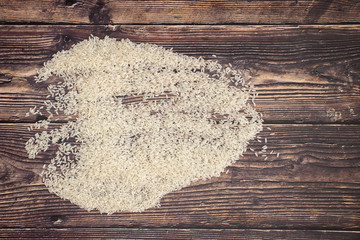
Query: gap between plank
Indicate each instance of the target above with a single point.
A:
(179, 24)
(189, 228)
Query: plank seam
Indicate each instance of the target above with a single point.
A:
(177, 24)
(173, 228)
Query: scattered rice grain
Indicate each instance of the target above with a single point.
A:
(118, 156)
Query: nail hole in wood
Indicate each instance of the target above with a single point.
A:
(67, 39)
(56, 219)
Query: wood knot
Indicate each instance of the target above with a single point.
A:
(73, 3)
(4, 173)
(64, 42)
(295, 3)
(291, 166)
(5, 78)
(70, 2)
(100, 13)
(57, 219)
(30, 177)
(66, 38)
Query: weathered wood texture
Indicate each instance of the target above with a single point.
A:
(304, 74)
(180, 12)
(170, 233)
(314, 184)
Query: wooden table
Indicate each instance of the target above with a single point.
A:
(304, 58)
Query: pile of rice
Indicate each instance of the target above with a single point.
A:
(143, 121)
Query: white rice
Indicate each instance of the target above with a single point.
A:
(183, 125)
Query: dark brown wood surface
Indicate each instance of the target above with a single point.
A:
(304, 74)
(171, 233)
(306, 66)
(180, 12)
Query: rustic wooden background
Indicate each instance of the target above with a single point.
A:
(304, 58)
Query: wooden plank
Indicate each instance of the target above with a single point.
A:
(170, 233)
(180, 12)
(304, 74)
(314, 184)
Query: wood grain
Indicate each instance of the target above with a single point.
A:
(304, 74)
(170, 233)
(180, 12)
(314, 184)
